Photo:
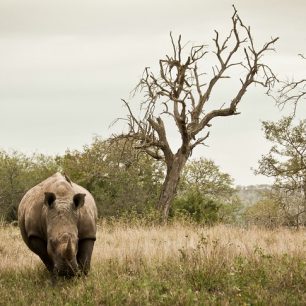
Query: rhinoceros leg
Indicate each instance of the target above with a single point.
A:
(39, 247)
(85, 248)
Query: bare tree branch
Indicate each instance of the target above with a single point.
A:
(290, 92)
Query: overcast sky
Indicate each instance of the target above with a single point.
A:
(65, 65)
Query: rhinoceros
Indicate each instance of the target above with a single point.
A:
(57, 220)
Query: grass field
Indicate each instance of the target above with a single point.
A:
(177, 264)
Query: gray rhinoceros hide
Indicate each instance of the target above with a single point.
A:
(57, 220)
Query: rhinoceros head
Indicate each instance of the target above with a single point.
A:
(61, 217)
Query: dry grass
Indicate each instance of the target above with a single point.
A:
(14, 253)
(154, 245)
(178, 264)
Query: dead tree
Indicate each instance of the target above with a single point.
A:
(180, 92)
(291, 92)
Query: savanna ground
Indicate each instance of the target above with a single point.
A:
(176, 264)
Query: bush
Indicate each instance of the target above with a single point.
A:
(266, 213)
(196, 207)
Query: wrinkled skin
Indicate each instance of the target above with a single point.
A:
(57, 220)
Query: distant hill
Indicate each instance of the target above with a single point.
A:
(251, 194)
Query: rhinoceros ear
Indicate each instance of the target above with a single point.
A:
(49, 199)
(79, 200)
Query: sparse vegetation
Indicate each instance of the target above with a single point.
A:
(177, 264)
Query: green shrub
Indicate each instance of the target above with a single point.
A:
(197, 207)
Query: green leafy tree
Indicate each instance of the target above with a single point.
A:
(206, 194)
(19, 173)
(121, 180)
(286, 161)
(205, 176)
(266, 212)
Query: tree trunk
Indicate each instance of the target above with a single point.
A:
(304, 198)
(174, 170)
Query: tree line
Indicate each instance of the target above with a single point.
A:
(124, 182)
(127, 183)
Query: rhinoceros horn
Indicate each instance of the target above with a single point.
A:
(69, 252)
